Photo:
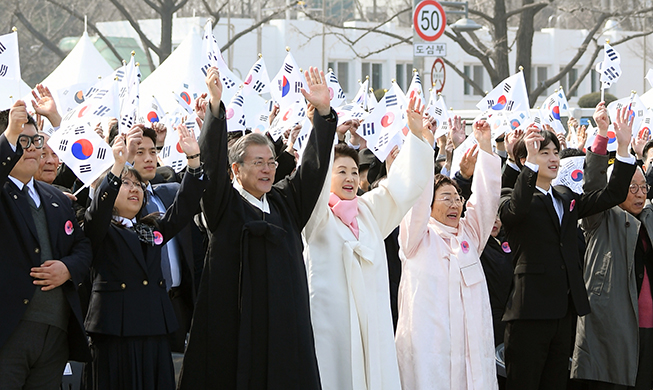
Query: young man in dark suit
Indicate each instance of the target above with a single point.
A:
(548, 288)
(45, 257)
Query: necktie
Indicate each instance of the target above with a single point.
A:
(549, 199)
(29, 197)
(151, 207)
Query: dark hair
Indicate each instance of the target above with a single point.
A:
(150, 133)
(647, 146)
(238, 150)
(520, 151)
(440, 180)
(150, 219)
(570, 152)
(113, 132)
(4, 121)
(343, 150)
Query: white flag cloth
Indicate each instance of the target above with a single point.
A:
(439, 112)
(302, 137)
(287, 119)
(184, 98)
(571, 174)
(235, 113)
(609, 68)
(9, 59)
(102, 100)
(213, 57)
(82, 150)
(646, 124)
(383, 124)
(371, 101)
(415, 89)
(459, 152)
(350, 111)
(551, 113)
(362, 95)
(257, 79)
(286, 86)
(590, 132)
(172, 155)
(401, 96)
(129, 97)
(636, 110)
(509, 95)
(562, 101)
(152, 110)
(336, 93)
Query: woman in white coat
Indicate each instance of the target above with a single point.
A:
(444, 333)
(347, 267)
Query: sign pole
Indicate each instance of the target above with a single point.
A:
(418, 61)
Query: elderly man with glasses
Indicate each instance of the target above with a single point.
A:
(614, 343)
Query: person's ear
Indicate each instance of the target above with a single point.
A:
(235, 167)
(522, 161)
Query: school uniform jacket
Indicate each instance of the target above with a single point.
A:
(546, 261)
(21, 252)
(129, 296)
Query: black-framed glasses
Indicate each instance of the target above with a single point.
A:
(635, 187)
(26, 141)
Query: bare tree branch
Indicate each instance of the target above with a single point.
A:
(534, 6)
(136, 27)
(472, 51)
(47, 42)
(482, 15)
(179, 5)
(462, 74)
(153, 6)
(255, 26)
(91, 25)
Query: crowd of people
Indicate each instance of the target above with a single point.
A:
(334, 271)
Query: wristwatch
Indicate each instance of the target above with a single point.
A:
(330, 117)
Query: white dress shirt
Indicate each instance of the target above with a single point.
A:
(260, 204)
(30, 188)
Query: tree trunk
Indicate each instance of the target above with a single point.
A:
(500, 50)
(524, 44)
(165, 47)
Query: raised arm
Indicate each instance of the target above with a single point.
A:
(303, 189)
(409, 174)
(213, 148)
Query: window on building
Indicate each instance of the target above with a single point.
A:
(568, 80)
(404, 75)
(539, 75)
(477, 74)
(375, 71)
(341, 69)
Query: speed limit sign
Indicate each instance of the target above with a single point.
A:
(429, 20)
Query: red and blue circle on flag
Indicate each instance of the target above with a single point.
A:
(285, 87)
(577, 175)
(501, 103)
(82, 149)
(152, 117)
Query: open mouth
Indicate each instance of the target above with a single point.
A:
(452, 215)
(134, 199)
(348, 188)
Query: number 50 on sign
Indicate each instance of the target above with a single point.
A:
(429, 20)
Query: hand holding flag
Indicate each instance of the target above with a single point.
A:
(215, 88)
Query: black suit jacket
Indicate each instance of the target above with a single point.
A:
(547, 265)
(129, 295)
(21, 252)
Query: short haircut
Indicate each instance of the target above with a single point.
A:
(520, 151)
(647, 146)
(571, 152)
(4, 121)
(150, 133)
(440, 180)
(239, 149)
(344, 150)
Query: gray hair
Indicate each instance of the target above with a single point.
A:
(611, 168)
(239, 149)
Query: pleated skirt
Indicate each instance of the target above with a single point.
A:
(130, 363)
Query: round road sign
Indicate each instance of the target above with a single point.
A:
(429, 20)
(438, 75)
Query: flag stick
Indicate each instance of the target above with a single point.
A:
(80, 190)
(602, 93)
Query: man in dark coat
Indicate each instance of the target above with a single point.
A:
(251, 328)
(45, 257)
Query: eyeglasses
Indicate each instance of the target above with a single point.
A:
(258, 164)
(132, 184)
(634, 188)
(450, 201)
(26, 141)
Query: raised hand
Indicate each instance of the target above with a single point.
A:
(468, 162)
(623, 129)
(133, 140)
(319, 92)
(200, 106)
(414, 115)
(44, 104)
(581, 136)
(292, 137)
(483, 135)
(17, 118)
(562, 140)
(511, 140)
(601, 118)
(638, 144)
(162, 131)
(189, 145)
(392, 156)
(275, 112)
(532, 141)
(119, 150)
(215, 88)
(457, 130)
(342, 130)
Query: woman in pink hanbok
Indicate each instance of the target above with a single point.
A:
(444, 334)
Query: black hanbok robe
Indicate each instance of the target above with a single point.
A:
(251, 327)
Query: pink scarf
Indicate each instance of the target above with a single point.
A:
(346, 210)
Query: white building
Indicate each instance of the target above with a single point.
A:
(552, 49)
